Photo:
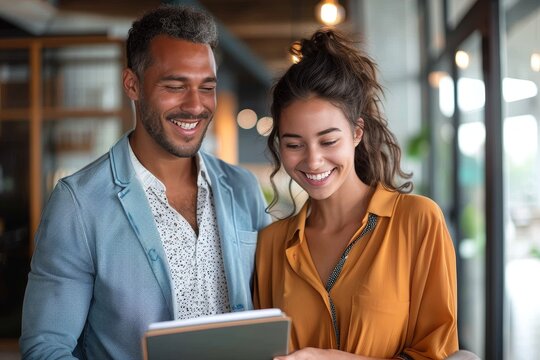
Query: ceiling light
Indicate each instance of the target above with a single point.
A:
(518, 89)
(295, 52)
(462, 59)
(535, 62)
(435, 77)
(246, 119)
(264, 125)
(330, 12)
(471, 138)
(521, 138)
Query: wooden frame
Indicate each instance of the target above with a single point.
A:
(36, 113)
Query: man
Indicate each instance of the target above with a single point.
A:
(154, 230)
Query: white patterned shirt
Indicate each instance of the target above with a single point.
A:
(195, 262)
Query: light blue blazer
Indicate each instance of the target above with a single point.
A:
(99, 274)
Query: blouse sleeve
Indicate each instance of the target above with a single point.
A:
(432, 329)
(261, 280)
(256, 296)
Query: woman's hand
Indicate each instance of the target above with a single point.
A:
(310, 353)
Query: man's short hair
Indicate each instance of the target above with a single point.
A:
(181, 22)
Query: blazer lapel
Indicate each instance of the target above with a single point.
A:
(140, 217)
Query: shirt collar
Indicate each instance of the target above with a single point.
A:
(203, 171)
(148, 179)
(382, 203)
(297, 224)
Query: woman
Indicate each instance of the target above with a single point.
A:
(365, 270)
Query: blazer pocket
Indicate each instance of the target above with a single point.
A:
(247, 242)
(248, 238)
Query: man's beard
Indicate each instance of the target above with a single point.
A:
(152, 123)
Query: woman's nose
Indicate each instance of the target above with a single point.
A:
(314, 158)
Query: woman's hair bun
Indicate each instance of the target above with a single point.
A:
(325, 41)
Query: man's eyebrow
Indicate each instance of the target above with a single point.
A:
(320, 133)
(186, 79)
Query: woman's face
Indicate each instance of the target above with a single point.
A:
(316, 144)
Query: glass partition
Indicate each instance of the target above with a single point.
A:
(522, 171)
(442, 110)
(471, 136)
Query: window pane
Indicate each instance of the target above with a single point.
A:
(442, 109)
(392, 33)
(522, 171)
(471, 179)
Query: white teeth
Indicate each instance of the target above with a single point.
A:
(318, 177)
(184, 125)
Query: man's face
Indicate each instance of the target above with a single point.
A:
(177, 96)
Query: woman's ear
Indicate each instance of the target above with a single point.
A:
(358, 131)
(130, 81)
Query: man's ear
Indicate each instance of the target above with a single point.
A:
(130, 81)
(358, 131)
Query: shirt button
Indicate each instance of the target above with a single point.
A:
(153, 254)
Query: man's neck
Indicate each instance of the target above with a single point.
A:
(171, 170)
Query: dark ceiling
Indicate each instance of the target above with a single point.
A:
(267, 27)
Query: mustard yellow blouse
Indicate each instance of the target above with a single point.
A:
(396, 292)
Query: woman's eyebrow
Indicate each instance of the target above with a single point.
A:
(324, 132)
(320, 133)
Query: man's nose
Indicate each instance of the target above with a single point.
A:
(192, 102)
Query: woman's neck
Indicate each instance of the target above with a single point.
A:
(341, 209)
